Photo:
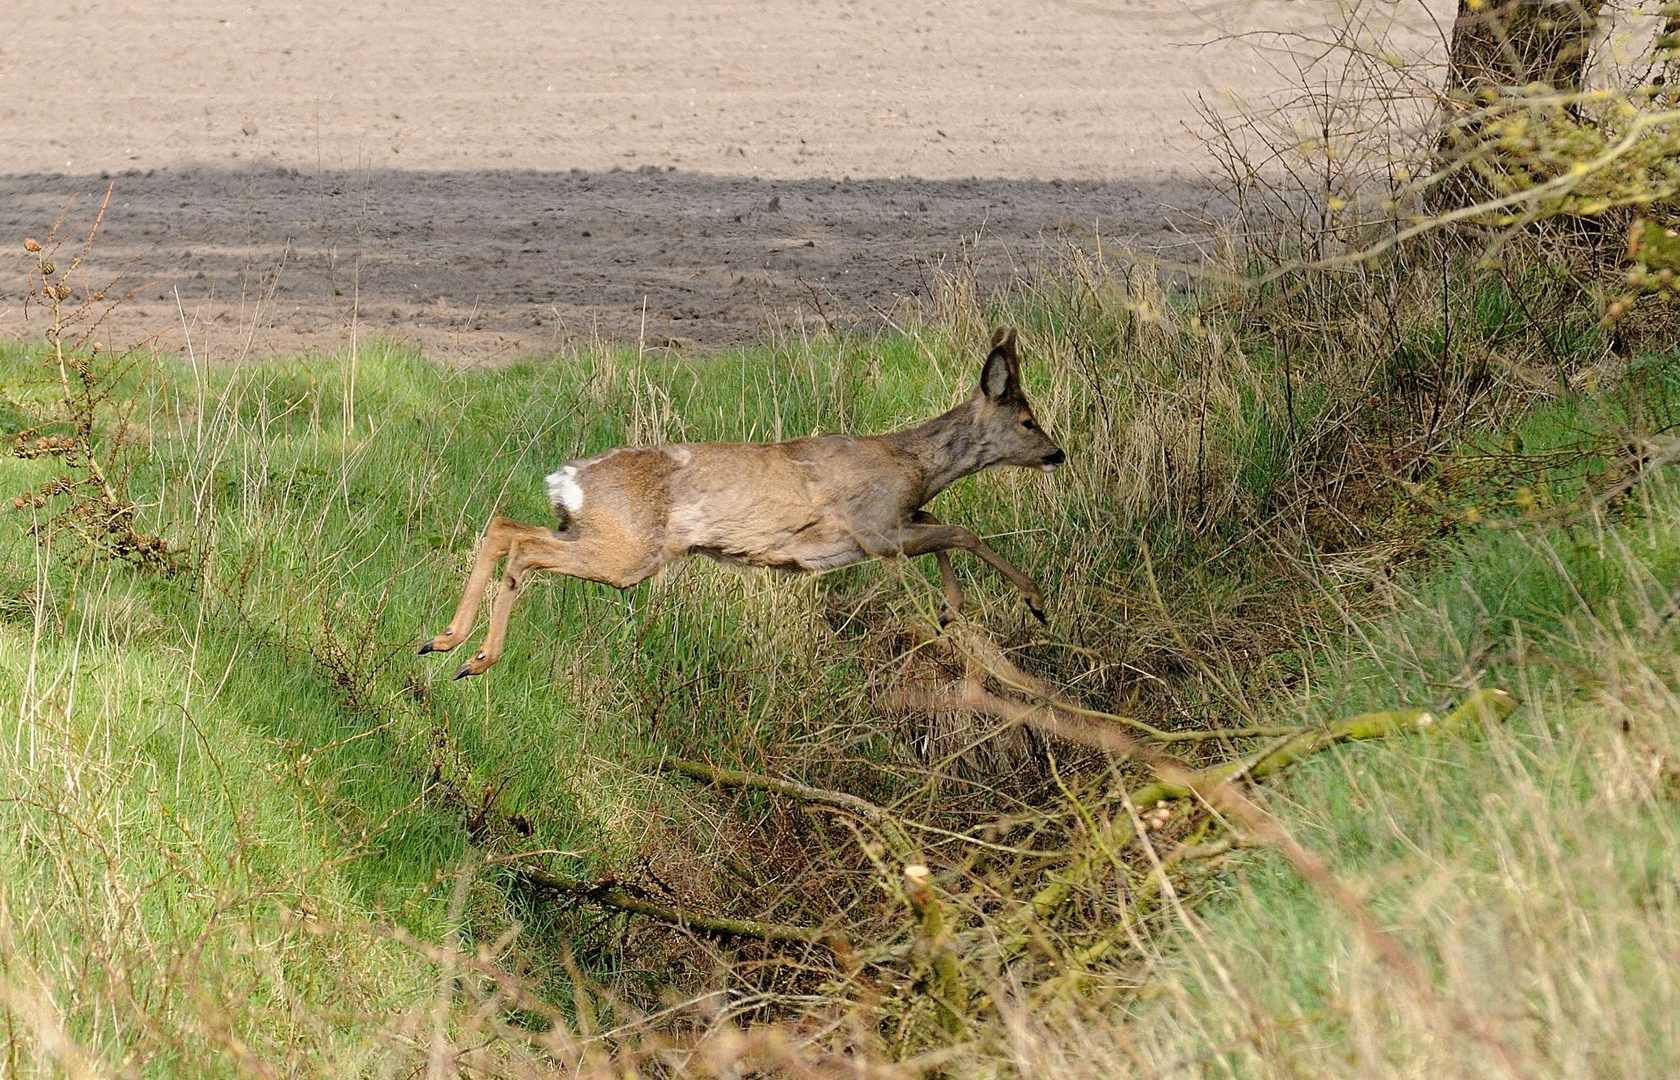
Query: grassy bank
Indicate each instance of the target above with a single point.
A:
(1528, 870)
(247, 829)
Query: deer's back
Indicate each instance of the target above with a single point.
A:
(807, 504)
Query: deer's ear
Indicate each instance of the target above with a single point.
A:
(1001, 377)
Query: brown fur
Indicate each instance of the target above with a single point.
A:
(805, 504)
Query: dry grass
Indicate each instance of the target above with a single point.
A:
(250, 834)
(282, 812)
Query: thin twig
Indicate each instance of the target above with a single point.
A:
(614, 896)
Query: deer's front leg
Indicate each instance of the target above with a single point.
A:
(498, 538)
(926, 536)
(948, 586)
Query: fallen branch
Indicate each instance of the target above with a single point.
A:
(971, 697)
(888, 826)
(1054, 715)
(993, 660)
(731, 778)
(1176, 782)
(614, 896)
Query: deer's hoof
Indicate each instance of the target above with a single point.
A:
(474, 665)
(1038, 612)
(947, 616)
(426, 647)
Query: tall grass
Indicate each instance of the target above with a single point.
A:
(248, 830)
(1533, 869)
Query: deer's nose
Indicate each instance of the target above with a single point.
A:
(1055, 457)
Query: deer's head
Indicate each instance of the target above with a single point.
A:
(1013, 435)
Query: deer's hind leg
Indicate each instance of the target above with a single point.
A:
(617, 560)
(497, 542)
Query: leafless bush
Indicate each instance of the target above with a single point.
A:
(86, 423)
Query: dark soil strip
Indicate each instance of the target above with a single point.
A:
(485, 265)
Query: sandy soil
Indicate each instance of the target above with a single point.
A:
(445, 171)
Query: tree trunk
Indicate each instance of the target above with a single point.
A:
(1508, 45)
(1501, 52)
(1668, 54)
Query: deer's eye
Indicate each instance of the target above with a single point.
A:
(1030, 424)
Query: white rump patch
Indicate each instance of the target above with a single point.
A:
(563, 489)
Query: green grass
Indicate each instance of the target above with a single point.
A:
(261, 732)
(1533, 870)
(235, 800)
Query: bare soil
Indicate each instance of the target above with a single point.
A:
(479, 265)
(491, 179)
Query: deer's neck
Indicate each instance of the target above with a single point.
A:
(947, 448)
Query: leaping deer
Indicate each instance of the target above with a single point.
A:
(804, 504)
